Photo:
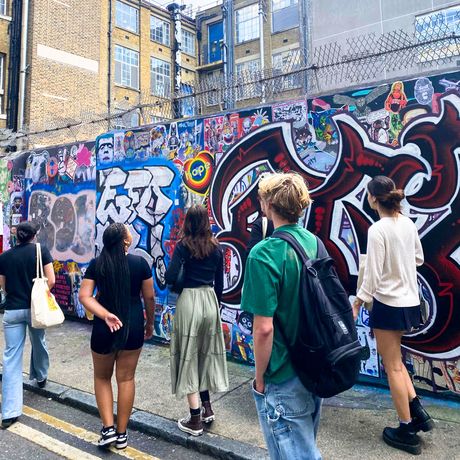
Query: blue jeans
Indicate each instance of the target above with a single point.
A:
(289, 418)
(15, 323)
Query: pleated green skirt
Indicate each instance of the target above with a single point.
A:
(198, 359)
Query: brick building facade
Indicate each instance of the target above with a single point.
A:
(90, 59)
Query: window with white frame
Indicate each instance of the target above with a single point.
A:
(160, 31)
(3, 7)
(435, 25)
(188, 42)
(248, 79)
(160, 77)
(2, 83)
(126, 67)
(127, 17)
(285, 64)
(247, 23)
(285, 15)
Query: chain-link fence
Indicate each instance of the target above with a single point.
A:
(359, 60)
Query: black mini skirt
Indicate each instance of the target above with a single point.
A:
(394, 318)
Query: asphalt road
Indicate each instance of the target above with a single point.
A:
(50, 430)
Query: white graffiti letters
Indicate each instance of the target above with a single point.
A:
(136, 199)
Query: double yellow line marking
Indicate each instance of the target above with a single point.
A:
(49, 443)
(60, 448)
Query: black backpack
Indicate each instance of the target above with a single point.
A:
(326, 353)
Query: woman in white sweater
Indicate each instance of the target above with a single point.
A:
(390, 282)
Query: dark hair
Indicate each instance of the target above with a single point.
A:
(113, 279)
(25, 231)
(196, 232)
(386, 193)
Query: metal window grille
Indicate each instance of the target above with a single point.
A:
(434, 25)
(283, 65)
(244, 71)
(160, 77)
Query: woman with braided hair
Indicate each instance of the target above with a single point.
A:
(118, 329)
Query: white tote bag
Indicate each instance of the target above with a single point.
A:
(45, 311)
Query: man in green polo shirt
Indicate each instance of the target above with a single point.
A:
(288, 412)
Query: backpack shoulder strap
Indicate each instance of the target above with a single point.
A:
(322, 251)
(300, 251)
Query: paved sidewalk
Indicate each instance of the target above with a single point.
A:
(351, 424)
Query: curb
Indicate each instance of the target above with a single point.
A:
(145, 422)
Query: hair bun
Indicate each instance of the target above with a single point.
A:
(397, 194)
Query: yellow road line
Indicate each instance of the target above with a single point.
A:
(83, 434)
(49, 443)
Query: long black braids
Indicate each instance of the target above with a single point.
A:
(113, 279)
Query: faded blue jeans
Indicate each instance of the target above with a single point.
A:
(15, 324)
(289, 418)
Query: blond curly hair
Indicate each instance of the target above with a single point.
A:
(286, 193)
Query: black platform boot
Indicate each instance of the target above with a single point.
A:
(421, 420)
(403, 438)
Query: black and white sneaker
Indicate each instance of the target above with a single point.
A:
(122, 441)
(108, 436)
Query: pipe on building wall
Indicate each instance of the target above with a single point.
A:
(199, 35)
(14, 66)
(262, 48)
(176, 16)
(109, 70)
(305, 39)
(23, 64)
(227, 13)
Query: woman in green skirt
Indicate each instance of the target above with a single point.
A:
(198, 361)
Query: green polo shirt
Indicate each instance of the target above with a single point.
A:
(271, 284)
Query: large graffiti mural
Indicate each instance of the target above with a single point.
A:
(55, 188)
(148, 177)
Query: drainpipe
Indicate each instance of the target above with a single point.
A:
(23, 65)
(109, 72)
(199, 35)
(14, 66)
(304, 30)
(261, 42)
(176, 16)
(227, 16)
(224, 51)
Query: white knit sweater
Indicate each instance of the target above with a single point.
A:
(393, 253)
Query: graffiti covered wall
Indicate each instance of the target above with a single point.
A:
(408, 130)
(55, 188)
(148, 178)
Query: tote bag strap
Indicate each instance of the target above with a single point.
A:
(264, 226)
(40, 272)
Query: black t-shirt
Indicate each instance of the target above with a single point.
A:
(18, 266)
(198, 272)
(257, 233)
(139, 271)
